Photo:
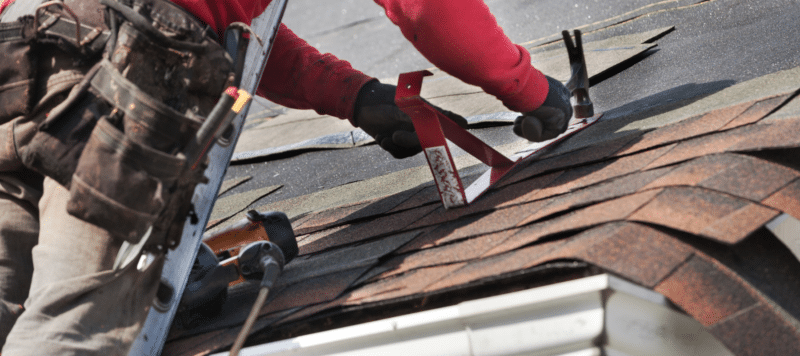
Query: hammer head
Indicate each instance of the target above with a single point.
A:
(578, 83)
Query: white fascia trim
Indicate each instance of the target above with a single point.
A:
(570, 318)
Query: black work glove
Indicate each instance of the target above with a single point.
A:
(377, 114)
(549, 120)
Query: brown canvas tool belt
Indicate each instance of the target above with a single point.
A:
(22, 39)
(17, 69)
(117, 134)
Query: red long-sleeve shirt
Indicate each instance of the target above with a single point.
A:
(460, 37)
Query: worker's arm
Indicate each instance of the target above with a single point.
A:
(463, 38)
(298, 76)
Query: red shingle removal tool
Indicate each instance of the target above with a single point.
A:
(434, 129)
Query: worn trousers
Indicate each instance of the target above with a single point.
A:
(58, 292)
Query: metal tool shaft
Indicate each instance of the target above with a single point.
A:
(251, 319)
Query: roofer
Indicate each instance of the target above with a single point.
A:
(80, 117)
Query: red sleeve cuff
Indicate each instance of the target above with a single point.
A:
(346, 99)
(530, 91)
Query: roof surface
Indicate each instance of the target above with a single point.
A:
(671, 190)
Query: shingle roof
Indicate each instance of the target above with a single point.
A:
(644, 208)
(671, 192)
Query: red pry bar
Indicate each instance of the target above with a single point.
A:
(433, 129)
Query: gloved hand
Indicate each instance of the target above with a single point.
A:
(377, 114)
(549, 120)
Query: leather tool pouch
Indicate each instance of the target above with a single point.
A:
(17, 69)
(117, 140)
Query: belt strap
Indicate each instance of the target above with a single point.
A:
(53, 24)
(50, 24)
(124, 95)
(13, 31)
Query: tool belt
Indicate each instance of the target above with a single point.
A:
(116, 89)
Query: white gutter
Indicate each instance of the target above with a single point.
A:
(787, 230)
(590, 316)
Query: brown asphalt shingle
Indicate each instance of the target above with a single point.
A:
(476, 225)
(313, 290)
(612, 189)
(461, 251)
(732, 310)
(521, 192)
(426, 195)
(756, 112)
(698, 147)
(577, 178)
(403, 285)
(758, 331)
(705, 292)
(717, 120)
(705, 213)
(767, 135)
(692, 127)
(577, 158)
(735, 174)
(786, 200)
(495, 266)
(637, 252)
(348, 234)
(327, 218)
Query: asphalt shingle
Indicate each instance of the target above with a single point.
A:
(576, 178)
(691, 127)
(786, 200)
(637, 252)
(758, 331)
(694, 172)
(348, 234)
(706, 293)
(757, 111)
(461, 251)
(609, 211)
(705, 213)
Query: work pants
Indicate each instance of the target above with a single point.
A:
(60, 269)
